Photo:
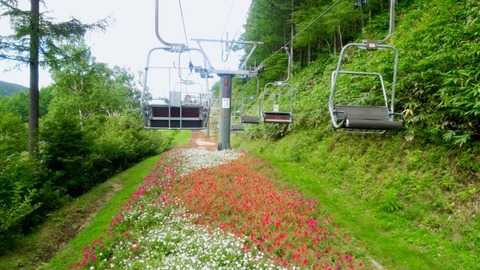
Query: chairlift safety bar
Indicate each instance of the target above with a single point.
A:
(278, 83)
(242, 70)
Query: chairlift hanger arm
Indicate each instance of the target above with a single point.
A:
(204, 69)
(255, 43)
(157, 30)
(203, 52)
(167, 49)
(277, 83)
(244, 63)
(289, 71)
(391, 25)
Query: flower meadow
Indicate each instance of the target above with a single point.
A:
(204, 209)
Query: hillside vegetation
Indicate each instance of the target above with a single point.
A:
(9, 89)
(412, 195)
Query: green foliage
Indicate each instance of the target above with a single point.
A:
(119, 142)
(14, 212)
(439, 69)
(261, 27)
(80, 158)
(46, 97)
(16, 104)
(13, 135)
(19, 197)
(63, 148)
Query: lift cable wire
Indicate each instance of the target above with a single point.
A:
(225, 58)
(303, 30)
(228, 18)
(184, 28)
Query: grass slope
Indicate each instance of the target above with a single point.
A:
(401, 200)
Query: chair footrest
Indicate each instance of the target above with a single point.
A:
(373, 124)
(250, 119)
(277, 117)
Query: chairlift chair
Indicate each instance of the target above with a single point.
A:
(366, 118)
(235, 125)
(245, 118)
(276, 115)
(182, 111)
(176, 111)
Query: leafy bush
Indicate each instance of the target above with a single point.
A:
(13, 134)
(80, 157)
(439, 75)
(64, 147)
(12, 214)
(19, 197)
(118, 143)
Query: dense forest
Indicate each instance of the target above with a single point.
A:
(91, 126)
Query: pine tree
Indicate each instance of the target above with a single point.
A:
(36, 40)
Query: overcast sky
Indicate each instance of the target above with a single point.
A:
(127, 42)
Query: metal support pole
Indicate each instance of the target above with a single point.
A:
(207, 126)
(225, 111)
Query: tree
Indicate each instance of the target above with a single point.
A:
(84, 87)
(36, 35)
(16, 104)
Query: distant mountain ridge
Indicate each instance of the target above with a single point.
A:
(9, 89)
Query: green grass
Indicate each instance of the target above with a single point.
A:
(390, 195)
(182, 137)
(128, 182)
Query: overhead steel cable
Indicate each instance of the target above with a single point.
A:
(186, 38)
(224, 59)
(228, 18)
